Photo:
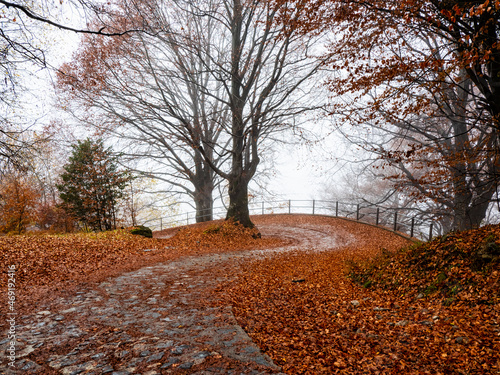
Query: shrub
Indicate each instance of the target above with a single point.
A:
(142, 231)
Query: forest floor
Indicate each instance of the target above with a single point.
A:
(314, 295)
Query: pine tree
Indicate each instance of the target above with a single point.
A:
(92, 184)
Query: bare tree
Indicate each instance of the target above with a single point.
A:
(23, 53)
(154, 97)
(211, 82)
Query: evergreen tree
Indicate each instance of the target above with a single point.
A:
(92, 184)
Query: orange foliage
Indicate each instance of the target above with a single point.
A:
(458, 268)
(55, 218)
(305, 313)
(300, 307)
(18, 199)
(424, 77)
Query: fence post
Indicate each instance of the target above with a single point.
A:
(313, 205)
(262, 207)
(412, 226)
(161, 224)
(430, 232)
(378, 213)
(187, 218)
(357, 212)
(395, 220)
(337, 209)
(289, 206)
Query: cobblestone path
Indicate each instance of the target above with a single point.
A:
(155, 320)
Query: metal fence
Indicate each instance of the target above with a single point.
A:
(397, 219)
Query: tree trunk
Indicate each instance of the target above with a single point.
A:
(469, 205)
(469, 212)
(461, 220)
(238, 201)
(203, 181)
(477, 213)
(238, 181)
(470, 218)
(462, 200)
(203, 201)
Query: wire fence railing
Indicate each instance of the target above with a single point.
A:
(400, 220)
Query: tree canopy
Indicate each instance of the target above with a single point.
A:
(205, 90)
(423, 76)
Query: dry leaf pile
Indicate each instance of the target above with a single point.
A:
(457, 269)
(378, 305)
(47, 264)
(432, 308)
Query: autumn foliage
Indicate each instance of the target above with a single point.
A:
(18, 203)
(421, 79)
(427, 309)
(456, 269)
(378, 305)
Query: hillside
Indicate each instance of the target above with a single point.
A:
(426, 308)
(318, 295)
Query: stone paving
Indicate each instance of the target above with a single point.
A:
(155, 320)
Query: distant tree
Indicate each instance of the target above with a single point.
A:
(92, 184)
(162, 113)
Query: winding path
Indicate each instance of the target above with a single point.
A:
(155, 320)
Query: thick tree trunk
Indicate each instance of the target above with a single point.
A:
(477, 214)
(470, 218)
(238, 201)
(470, 211)
(203, 201)
(472, 196)
(238, 178)
(203, 181)
(462, 201)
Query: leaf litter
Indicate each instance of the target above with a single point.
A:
(378, 305)
(52, 265)
(375, 304)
